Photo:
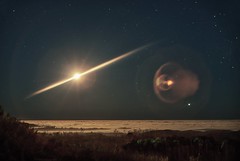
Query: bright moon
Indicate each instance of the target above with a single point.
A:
(76, 76)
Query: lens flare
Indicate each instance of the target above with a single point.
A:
(169, 82)
(78, 75)
(173, 83)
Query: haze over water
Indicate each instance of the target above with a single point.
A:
(125, 126)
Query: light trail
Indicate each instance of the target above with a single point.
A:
(114, 60)
(50, 87)
(90, 70)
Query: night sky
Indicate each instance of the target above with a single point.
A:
(45, 41)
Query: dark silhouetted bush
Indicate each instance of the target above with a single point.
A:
(19, 142)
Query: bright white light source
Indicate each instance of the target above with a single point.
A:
(76, 76)
(98, 67)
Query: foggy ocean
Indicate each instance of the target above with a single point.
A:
(125, 126)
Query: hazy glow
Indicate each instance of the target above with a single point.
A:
(77, 75)
(169, 82)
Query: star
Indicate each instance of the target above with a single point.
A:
(189, 104)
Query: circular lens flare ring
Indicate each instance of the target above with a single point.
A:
(163, 82)
(173, 83)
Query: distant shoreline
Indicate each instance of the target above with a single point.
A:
(112, 127)
(129, 126)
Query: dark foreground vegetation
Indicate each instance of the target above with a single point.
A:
(19, 142)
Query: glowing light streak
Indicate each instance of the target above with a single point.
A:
(50, 87)
(78, 75)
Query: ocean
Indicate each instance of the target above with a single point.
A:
(126, 126)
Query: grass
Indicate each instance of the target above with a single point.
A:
(19, 142)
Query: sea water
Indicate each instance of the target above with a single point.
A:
(125, 126)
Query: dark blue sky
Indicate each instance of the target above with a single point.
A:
(46, 41)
